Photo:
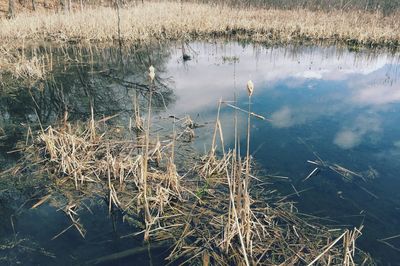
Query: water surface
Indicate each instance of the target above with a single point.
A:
(321, 103)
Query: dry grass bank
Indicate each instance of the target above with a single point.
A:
(170, 20)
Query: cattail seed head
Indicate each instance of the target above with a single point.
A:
(250, 87)
(152, 74)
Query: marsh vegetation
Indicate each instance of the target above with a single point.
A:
(90, 117)
(176, 20)
(201, 206)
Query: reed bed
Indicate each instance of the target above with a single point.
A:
(173, 20)
(21, 67)
(207, 208)
(165, 21)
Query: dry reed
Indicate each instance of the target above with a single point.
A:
(186, 21)
(172, 20)
(23, 67)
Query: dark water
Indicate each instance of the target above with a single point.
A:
(321, 103)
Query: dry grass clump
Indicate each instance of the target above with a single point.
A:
(205, 208)
(89, 157)
(207, 217)
(172, 20)
(32, 69)
(20, 66)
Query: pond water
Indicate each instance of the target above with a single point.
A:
(326, 104)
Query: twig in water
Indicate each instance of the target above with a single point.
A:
(311, 174)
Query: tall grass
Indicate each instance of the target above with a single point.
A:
(384, 6)
(171, 20)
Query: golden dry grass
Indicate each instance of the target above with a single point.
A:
(188, 21)
(171, 20)
(206, 214)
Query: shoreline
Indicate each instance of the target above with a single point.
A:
(174, 21)
(151, 22)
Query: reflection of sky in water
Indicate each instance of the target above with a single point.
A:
(310, 84)
(343, 105)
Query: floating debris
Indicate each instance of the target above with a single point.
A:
(311, 174)
(347, 174)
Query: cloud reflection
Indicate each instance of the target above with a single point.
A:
(377, 95)
(347, 139)
(328, 82)
(202, 81)
(282, 118)
(350, 137)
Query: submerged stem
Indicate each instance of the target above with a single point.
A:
(145, 161)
